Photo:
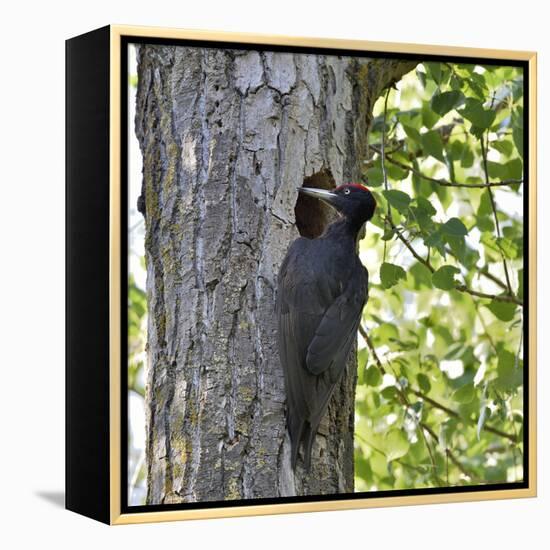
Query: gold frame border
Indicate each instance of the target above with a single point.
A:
(116, 516)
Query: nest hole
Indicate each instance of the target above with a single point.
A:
(313, 215)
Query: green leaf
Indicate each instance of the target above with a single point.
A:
(363, 469)
(484, 412)
(485, 224)
(391, 274)
(426, 205)
(389, 393)
(422, 275)
(478, 85)
(411, 119)
(510, 375)
(444, 195)
(496, 169)
(504, 311)
(455, 149)
(396, 444)
(384, 332)
(465, 394)
(434, 70)
(479, 116)
(396, 173)
(443, 103)
(458, 247)
(508, 247)
(443, 278)
(517, 135)
(454, 226)
(517, 129)
(456, 82)
(467, 160)
(485, 208)
(512, 169)
(362, 357)
(373, 376)
(429, 118)
(398, 199)
(412, 133)
(503, 146)
(435, 240)
(433, 145)
(388, 234)
(421, 76)
(423, 382)
(446, 431)
(375, 177)
(515, 168)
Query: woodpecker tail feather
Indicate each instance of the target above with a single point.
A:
(295, 430)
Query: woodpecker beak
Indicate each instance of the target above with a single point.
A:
(322, 194)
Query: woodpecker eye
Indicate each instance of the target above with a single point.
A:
(347, 191)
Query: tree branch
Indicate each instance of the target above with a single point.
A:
(482, 271)
(496, 297)
(410, 247)
(459, 287)
(443, 182)
(428, 399)
(454, 414)
(486, 273)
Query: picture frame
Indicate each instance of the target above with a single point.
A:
(97, 221)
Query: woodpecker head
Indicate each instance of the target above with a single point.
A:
(352, 200)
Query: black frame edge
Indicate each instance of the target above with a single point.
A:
(87, 93)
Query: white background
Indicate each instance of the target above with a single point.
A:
(32, 273)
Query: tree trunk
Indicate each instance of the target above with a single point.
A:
(227, 136)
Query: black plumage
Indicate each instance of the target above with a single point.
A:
(322, 288)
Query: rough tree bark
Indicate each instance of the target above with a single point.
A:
(227, 136)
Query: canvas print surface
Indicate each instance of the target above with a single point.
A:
(325, 274)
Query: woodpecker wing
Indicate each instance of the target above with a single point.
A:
(337, 330)
(319, 308)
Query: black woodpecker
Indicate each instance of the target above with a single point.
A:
(322, 288)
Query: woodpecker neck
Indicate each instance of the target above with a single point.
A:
(344, 228)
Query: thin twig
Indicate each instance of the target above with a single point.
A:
(496, 297)
(459, 287)
(402, 238)
(370, 345)
(383, 144)
(454, 414)
(450, 454)
(482, 271)
(443, 182)
(486, 273)
(484, 325)
(484, 140)
(382, 160)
